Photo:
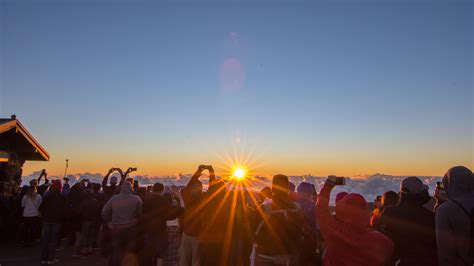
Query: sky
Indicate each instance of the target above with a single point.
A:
(295, 87)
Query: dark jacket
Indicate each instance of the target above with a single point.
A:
(156, 211)
(190, 220)
(53, 207)
(452, 222)
(76, 196)
(90, 210)
(412, 229)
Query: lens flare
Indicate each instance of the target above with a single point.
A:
(239, 173)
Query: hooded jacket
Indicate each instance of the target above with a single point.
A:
(452, 223)
(412, 229)
(122, 210)
(347, 236)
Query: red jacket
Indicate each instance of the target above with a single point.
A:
(348, 238)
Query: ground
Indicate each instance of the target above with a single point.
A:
(12, 253)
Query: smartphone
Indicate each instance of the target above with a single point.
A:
(133, 169)
(440, 185)
(337, 180)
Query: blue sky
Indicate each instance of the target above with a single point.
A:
(351, 87)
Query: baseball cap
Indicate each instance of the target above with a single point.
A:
(412, 185)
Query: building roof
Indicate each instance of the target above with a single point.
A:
(15, 137)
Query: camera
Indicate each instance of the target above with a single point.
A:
(440, 185)
(337, 180)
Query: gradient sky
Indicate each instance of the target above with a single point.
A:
(347, 88)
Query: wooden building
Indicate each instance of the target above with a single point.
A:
(17, 146)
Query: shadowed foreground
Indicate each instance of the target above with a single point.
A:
(13, 254)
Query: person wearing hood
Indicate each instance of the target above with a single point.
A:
(348, 238)
(53, 209)
(453, 220)
(411, 226)
(121, 213)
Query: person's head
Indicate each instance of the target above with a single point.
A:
(305, 190)
(56, 186)
(340, 196)
(459, 183)
(126, 188)
(66, 180)
(113, 181)
(389, 198)
(280, 186)
(33, 183)
(413, 190)
(96, 187)
(352, 211)
(412, 185)
(158, 188)
(265, 193)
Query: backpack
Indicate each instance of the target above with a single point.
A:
(471, 228)
(280, 232)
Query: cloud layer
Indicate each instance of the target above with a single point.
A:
(370, 186)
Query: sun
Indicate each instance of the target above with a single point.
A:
(239, 173)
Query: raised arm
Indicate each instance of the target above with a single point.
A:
(43, 173)
(329, 226)
(196, 176)
(106, 177)
(212, 174)
(122, 176)
(46, 180)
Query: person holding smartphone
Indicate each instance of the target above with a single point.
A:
(348, 238)
(192, 196)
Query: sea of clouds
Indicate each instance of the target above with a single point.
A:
(370, 185)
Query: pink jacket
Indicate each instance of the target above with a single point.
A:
(348, 238)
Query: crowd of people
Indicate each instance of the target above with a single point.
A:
(229, 224)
